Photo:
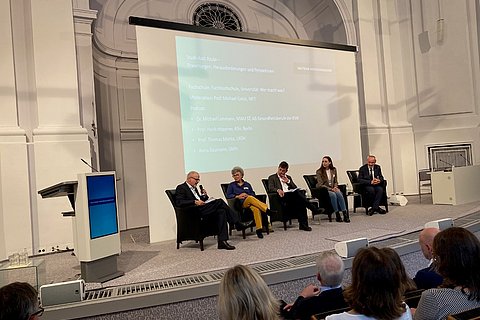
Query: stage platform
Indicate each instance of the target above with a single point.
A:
(160, 274)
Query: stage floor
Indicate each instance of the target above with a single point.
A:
(142, 261)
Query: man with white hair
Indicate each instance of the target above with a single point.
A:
(328, 296)
(427, 278)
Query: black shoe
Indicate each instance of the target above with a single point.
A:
(337, 217)
(259, 233)
(305, 228)
(382, 211)
(271, 212)
(240, 226)
(225, 245)
(370, 212)
(346, 216)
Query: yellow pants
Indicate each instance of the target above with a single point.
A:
(257, 208)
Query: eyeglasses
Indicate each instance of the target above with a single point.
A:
(39, 313)
(196, 179)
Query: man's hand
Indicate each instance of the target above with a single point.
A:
(375, 181)
(199, 203)
(280, 193)
(288, 307)
(310, 291)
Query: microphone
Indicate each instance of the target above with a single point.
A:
(202, 191)
(466, 160)
(94, 170)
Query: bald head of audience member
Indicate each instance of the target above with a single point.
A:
(426, 241)
(330, 269)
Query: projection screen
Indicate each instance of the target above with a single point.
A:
(218, 100)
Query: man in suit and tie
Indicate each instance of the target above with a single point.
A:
(187, 195)
(370, 176)
(328, 296)
(427, 278)
(291, 198)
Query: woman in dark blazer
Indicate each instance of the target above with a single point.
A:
(327, 178)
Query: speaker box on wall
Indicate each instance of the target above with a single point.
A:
(348, 249)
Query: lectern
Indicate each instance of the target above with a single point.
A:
(96, 236)
(458, 186)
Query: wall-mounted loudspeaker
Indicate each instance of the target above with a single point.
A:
(348, 249)
(441, 224)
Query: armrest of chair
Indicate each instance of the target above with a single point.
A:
(261, 197)
(274, 200)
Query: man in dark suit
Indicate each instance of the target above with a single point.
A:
(370, 176)
(427, 278)
(187, 195)
(329, 296)
(291, 198)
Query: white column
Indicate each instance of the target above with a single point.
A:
(83, 18)
(386, 131)
(14, 184)
(59, 141)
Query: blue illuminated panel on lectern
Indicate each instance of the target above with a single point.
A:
(102, 208)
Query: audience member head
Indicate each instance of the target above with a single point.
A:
(456, 252)
(330, 269)
(375, 290)
(426, 241)
(327, 163)
(406, 283)
(245, 296)
(371, 160)
(19, 301)
(237, 172)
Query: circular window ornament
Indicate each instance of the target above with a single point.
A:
(216, 15)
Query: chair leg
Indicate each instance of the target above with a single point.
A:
(285, 225)
(201, 245)
(243, 234)
(178, 245)
(330, 217)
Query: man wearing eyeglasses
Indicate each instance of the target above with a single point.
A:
(187, 194)
(19, 301)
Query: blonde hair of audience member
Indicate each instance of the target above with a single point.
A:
(243, 295)
(330, 269)
(375, 290)
(406, 283)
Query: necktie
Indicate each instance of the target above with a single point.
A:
(196, 191)
(371, 173)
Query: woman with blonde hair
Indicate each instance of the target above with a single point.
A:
(245, 296)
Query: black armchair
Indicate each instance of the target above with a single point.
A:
(190, 224)
(279, 212)
(364, 200)
(322, 194)
(245, 214)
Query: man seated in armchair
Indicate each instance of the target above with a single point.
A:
(187, 194)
